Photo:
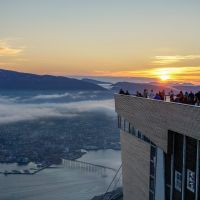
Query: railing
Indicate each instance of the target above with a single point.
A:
(109, 195)
(166, 99)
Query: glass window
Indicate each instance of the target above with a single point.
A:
(152, 184)
(119, 122)
(178, 181)
(152, 169)
(191, 180)
(146, 139)
(139, 135)
(122, 123)
(133, 131)
(126, 128)
(129, 128)
(136, 132)
(153, 153)
(167, 192)
(151, 196)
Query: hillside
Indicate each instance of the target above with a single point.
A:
(94, 81)
(26, 81)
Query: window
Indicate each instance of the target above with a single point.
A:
(152, 184)
(151, 195)
(146, 139)
(152, 169)
(126, 126)
(139, 135)
(136, 132)
(178, 181)
(190, 180)
(119, 122)
(153, 153)
(122, 123)
(129, 128)
(152, 181)
(167, 192)
(132, 130)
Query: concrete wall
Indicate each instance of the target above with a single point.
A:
(154, 118)
(135, 167)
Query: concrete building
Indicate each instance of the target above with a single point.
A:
(160, 149)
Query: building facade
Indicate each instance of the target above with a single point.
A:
(160, 149)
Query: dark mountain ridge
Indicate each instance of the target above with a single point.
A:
(94, 81)
(27, 81)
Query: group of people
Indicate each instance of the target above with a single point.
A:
(124, 92)
(186, 98)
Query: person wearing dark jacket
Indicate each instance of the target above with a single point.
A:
(121, 91)
(197, 98)
(157, 97)
(127, 92)
(191, 97)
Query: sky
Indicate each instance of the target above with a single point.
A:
(130, 38)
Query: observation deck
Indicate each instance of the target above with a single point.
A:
(156, 118)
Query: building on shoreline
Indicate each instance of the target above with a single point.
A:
(160, 149)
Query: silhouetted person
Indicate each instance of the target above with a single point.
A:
(197, 98)
(185, 100)
(180, 97)
(145, 94)
(127, 92)
(138, 94)
(161, 96)
(121, 91)
(191, 97)
(157, 97)
(151, 95)
(171, 96)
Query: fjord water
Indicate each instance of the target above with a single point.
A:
(62, 183)
(33, 108)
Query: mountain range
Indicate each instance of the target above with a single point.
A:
(26, 81)
(12, 80)
(94, 81)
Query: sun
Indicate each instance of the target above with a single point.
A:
(163, 74)
(164, 77)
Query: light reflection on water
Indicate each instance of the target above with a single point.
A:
(15, 166)
(62, 183)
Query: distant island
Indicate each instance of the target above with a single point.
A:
(12, 80)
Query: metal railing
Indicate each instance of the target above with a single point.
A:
(166, 99)
(109, 194)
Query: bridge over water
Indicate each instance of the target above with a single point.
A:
(86, 166)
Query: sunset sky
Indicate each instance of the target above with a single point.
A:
(133, 38)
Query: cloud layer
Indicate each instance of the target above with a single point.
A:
(78, 95)
(13, 111)
(167, 60)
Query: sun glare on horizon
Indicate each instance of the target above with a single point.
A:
(164, 77)
(163, 74)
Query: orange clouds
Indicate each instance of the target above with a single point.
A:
(167, 60)
(7, 50)
(177, 74)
